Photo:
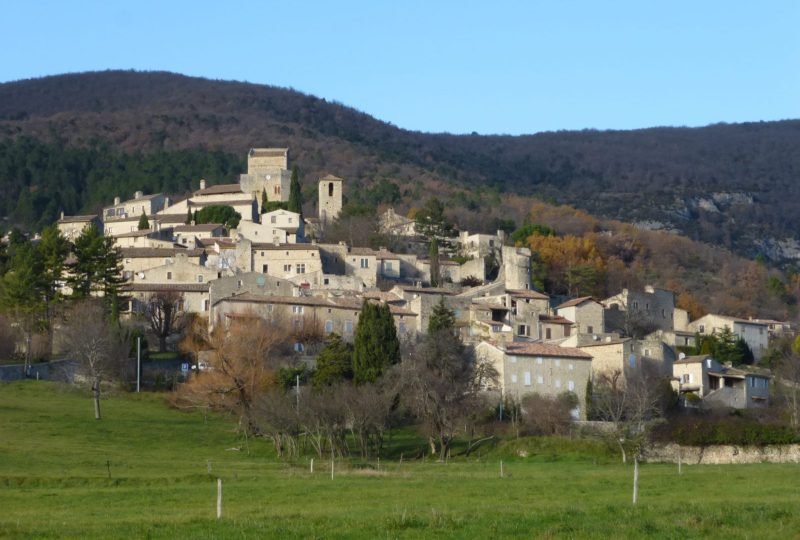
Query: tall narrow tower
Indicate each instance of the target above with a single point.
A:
(330, 198)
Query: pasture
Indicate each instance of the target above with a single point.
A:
(143, 472)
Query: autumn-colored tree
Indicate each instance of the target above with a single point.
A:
(573, 265)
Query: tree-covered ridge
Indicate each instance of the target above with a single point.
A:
(38, 180)
(732, 185)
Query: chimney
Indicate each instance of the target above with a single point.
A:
(62, 214)
(166, 202)
(202, 183)
(138, 195)
(116, 201)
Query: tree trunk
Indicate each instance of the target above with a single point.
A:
(162, 343)
(622, 449)
(96, 396)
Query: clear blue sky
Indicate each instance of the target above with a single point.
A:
(490, 67)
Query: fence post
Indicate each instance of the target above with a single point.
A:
(219, 498)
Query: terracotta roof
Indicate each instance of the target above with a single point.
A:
(554, 319)
(154, 287)
(219, 189)
(77, 219)
(285, 247)
(159, 252)
(229, 202)
(524, 293)
(545, 349)
(575, 302)
(205, 227)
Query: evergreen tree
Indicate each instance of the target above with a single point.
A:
(334, 363)
(442, 318)
(433, 252)
(264, 202)
(376, 346)
(188, 216)
(143, 222)
(295, 194)
(97, 267)
(194, 217)
(22, 293)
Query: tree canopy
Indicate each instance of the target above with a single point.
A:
(376, 345)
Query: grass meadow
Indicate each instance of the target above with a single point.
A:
(142, 472)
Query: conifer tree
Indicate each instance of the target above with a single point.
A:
(442, 318)
(376, 345)
(295, 194)
(264, 201)
(334, 362)
(97, 267)
(433, 253)
(143, 222)
(188, 216)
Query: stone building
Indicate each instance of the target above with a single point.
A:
(650, 309)
(330, 198)
(585, 312)
(288, 261)
(138, 260)
(517, 267)
(267, 171)
(71, 227)
(718, 385)
(538, 368)
(753, 332)
(134, 208)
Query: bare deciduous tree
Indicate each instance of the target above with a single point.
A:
(100, 347)
(165, 314)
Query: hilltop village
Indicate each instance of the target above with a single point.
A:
(272, 265)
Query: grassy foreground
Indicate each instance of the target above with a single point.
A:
(142, 472)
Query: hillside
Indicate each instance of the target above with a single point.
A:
(731, 185)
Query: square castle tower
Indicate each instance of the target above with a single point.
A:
(330, 198)
(267, 170)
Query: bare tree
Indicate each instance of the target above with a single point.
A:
(101, 348)
(368, 407)
(278, 418)
(546, 415)
(438, 383)
(243, 358)
(165, 314)
(787, 371)
(628, 402)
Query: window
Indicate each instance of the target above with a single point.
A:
(264, 268)
(547, 333)
(297, 309)
(538, 359)
(540, 379)
(388, 265)
(752, 382)
(169, 275)
(348, 327)
(647, 353)
(632, 360)
(514, 378)
(205, 305)
(298, 347)
(527, 378)
(558, 383)
(326, 281)
(287, 268)
(590, 329)
(364, 263)
(276, 190)
(301, 268)
(402, 327)
(571, 367)
(273, 219)
(663, 314)
(558, 362)
(513, 359)
(330, 189)
(686, 378)
(522, 330)
(329, 326)
(571, 385)
(708, 363)
(702, 329)
(199, 278)
(635, 305)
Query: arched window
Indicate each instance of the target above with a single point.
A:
(330, 189)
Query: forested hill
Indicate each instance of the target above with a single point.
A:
(732, 185)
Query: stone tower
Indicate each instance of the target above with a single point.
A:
(330, 198)
(267, 170)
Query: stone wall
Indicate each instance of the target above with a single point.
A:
(723, 454)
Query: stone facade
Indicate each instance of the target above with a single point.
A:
(330, 198)
(653, 306)
(267, 171)
(585, 312)
(754, 333)
(288, 261)
(517, 267)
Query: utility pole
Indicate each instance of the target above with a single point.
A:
(297, 391)
(138, 363)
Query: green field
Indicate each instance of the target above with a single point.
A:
(142, 472)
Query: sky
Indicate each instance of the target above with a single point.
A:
(442, 66)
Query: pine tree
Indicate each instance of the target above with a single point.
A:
(442, 318)
(295, 194)
(376, 346)
(334, 362)
(188, 216)
(433, 253)
(143, 223)
(264, 201)
(97, 267)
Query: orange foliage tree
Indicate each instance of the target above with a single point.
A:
(572, 265)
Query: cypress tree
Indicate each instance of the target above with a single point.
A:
(143, 222)
(376, 345)
(264, 201)
(433, 252)
(188, 216)
(295, 194)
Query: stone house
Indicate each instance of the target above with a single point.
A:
(158, 222)
(719, 385)
(754, 333)
(137, 260)
(290, 222)
(615, 355)
(188, 234)
(289, 261)
(310, 315)
(585, 312)
(146, 238)
(478, 246)
(71, 227)
(538, 368)
(134, 208)
(652, 308)
(397, 225)
(267, 172)
(177, 269)
(194, 296)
